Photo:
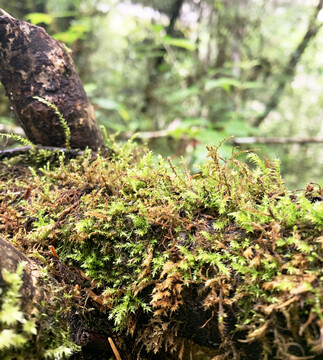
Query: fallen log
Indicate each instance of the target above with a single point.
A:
(222, 264)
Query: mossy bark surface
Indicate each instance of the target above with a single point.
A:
(33, 64)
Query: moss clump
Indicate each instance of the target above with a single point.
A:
(160, 246)
(29, 336)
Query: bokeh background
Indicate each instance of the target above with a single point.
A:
(184, 74)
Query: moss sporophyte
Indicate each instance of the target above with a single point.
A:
(157, 245)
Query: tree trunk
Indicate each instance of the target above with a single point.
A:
(33, 64)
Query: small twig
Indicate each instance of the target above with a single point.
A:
(9, 153)
(6, 14)
(114, 349)
(276, 140)
(146, 134)
(207, 321)
(179, 178)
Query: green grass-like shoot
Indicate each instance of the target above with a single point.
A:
(19, 139)
(62, 121)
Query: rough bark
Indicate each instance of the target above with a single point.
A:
(30, 292)
(33, 64)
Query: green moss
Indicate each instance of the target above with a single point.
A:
(29, 336)
(147, 233)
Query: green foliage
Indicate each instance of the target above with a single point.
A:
(208, 71)
(38, 18)
(181, 43)
(11, 317)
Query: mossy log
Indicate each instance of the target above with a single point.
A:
(225, 264)
(38, 300)
(33, 64)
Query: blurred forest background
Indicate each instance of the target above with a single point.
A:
(184, 74)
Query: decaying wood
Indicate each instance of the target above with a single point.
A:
(30, 292)
(33, 64)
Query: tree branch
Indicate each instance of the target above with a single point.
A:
(9, 153)
(276, 140)
(33, 64)
(289, 72)
(146, 135)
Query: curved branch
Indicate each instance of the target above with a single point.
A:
(289, 71)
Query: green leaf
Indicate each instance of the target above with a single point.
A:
(157, 28)
(224, 83)
(9, 338)
(29, 327)
(59, 353)
(10, 314)
(181, 94)
(108, 104)
(182, 43)
(90, 88)
(251, 85)
(38, 18)
(124, 114)
(74, 32)
(237, 127)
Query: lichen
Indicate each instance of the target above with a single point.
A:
(157, 243)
